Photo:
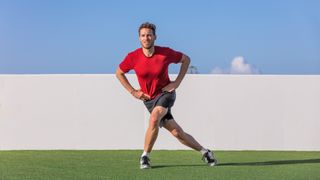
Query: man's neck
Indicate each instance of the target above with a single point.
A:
(148, 52)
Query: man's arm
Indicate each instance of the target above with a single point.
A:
(125, 83)
(185, 61)
(123, 80)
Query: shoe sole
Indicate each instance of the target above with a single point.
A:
(145, 167)
(213, 164)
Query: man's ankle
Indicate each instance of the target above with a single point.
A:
(203, 151)
(145, 154)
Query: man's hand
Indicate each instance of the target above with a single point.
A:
(170, 87)
(140, 95)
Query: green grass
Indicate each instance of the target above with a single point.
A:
(123, 164)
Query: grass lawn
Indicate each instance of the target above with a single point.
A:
(124, 164)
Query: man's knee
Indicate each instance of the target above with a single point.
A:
(156, 115)
(178, 133)
(158, 112)
(154, 121)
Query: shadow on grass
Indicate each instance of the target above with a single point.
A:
(177, 165)
(268, 163)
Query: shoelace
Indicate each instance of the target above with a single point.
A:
(145, 160)
(208, 156)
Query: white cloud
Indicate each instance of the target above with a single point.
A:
(238, 66)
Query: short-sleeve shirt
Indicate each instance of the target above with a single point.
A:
(152, 72)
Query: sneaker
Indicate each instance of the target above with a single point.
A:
(145, 162)
(209, 158)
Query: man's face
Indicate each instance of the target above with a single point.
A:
(147, 38)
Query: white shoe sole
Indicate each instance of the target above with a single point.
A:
(145, 167)
(213, 164)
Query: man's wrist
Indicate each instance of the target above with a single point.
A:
(176, 83)
(132, 91)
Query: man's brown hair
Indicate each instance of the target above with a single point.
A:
(149, 26)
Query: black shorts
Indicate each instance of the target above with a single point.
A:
(166, 100)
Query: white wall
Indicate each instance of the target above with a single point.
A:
(226, 112)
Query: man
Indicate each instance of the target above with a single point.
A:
(150, 64)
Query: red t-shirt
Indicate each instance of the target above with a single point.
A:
(152, 72)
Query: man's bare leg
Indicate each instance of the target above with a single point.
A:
(186, 139)
(152, 132)
(151, 135)
(173, 127)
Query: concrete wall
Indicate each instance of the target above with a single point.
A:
(225, 112)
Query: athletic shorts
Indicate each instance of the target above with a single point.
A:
(166, 100)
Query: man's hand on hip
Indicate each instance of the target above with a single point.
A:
(140, 95)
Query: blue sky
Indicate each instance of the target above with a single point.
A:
(74, 36)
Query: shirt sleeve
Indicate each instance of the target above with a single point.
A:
(126, 65)
(175, 56)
